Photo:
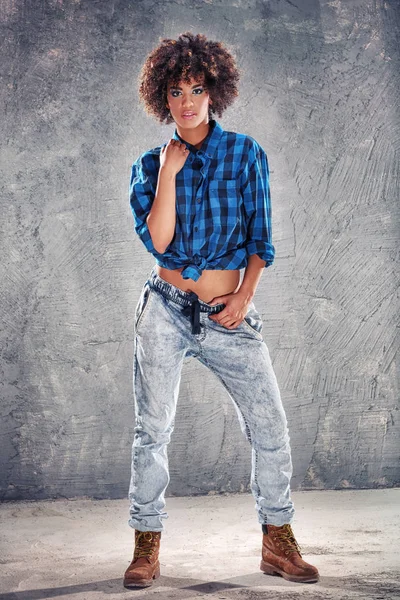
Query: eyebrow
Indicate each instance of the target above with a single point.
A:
(175, 87)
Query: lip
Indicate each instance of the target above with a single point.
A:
(188, 116)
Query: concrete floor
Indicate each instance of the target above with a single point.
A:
(210, 548)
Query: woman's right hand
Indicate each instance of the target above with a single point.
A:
(173, 156)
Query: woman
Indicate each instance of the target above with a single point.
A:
(201, 204)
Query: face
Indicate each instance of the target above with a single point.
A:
(188, 103)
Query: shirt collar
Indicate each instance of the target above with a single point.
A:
(210, 143)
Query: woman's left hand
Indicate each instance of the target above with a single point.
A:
(236, 306)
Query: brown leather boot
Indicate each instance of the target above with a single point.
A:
(145, 565)
(281, 555)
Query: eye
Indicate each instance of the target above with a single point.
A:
(175, 93)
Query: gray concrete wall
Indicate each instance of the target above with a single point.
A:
(320, 92)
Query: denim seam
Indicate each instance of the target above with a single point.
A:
(255, 474)
(149, 297)
(134, 362)
(249, 437)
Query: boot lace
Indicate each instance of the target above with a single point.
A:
(286, 539)
(146, 545)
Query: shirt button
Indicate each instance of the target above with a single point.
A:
(198, 199)
(196, 228)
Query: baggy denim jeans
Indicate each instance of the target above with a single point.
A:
(164, 325)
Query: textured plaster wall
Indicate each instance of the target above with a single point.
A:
(320, 92)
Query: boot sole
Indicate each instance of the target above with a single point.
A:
(271, 570)
(133, 583)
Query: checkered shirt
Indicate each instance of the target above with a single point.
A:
(223, 203)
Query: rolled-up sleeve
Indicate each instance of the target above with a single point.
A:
(257, 202)
(142, 190)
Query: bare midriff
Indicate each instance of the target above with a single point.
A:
(211, 283)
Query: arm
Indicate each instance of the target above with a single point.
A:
(257, 203)
(260, 251)
(142, 190)
(162, 216)
(252, 276)
(153, 195)
(237, 303)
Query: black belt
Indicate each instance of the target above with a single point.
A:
(193, 311)
(194, 308)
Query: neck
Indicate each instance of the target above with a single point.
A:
(196, 135)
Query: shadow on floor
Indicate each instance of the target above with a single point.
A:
(377, 586)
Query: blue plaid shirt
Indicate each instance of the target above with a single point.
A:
(223, 204)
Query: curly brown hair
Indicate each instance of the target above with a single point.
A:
(190, 56)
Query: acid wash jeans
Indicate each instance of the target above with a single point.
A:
(164, 323)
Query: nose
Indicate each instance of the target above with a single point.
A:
(187, 101)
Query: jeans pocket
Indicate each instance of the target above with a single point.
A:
(253, 321)
(142, 304)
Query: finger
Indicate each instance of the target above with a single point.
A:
(215, 318)
(217, 300)
(220, 316)
(234, 321)
(226, 324)
(229, 325)
(226, 318)
(233, 324)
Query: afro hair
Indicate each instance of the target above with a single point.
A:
(190, 56)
